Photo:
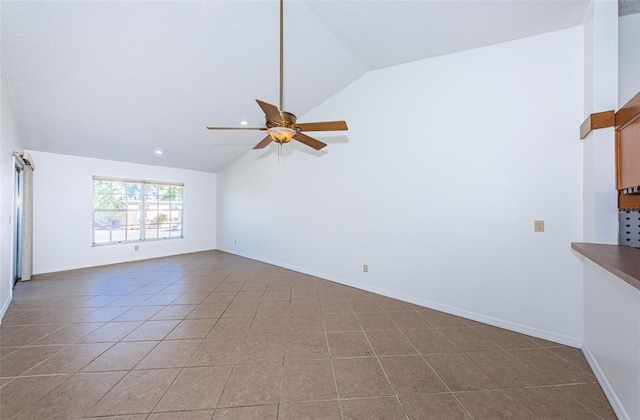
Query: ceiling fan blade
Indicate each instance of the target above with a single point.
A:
(236, 128)
(264, 143)
(309, 141)
(324, 126)
(271, 111)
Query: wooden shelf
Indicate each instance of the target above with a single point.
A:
(599, 120)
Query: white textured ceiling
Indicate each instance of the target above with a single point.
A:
(118, 80)
(628, 7)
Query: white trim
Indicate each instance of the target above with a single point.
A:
(7, 302)
(496, 322)
(48, 270)
(610, 393)
(137, 181)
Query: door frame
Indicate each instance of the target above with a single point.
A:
(18, 197)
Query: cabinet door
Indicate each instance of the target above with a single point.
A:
(628, 155)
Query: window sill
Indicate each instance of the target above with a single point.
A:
(621, 260)
(137, 241)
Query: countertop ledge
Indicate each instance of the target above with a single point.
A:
(621, 260)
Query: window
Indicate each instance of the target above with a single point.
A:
(128, 210)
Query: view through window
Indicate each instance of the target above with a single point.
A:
(131, 210)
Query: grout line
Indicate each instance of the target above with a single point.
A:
(107, 392)
(568, 361)
(580, 402)
(382, 368)
(333, 371)
(166, 390)
(282, 373)
(432, 369)
(226, 382)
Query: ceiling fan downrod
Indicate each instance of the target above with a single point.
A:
(281, 54)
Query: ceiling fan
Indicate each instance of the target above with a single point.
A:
(282, 126)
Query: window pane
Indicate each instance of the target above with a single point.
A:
(151, 192)
(176, 193)
(164, 192)
(119, 187)
(102, 187)
(119, 202)
(163, 218)
(101, 235)
(133, 217)
(118, 234)
(134, 188)
(108, 201)
(118, 218)
(150, 218)
(101, 201)
(102, 219)
(133, 233)
(151, 233)
(176, 231)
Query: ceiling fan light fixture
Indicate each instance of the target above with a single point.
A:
(281, 134)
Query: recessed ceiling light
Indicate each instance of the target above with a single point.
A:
(243, 122)
(158, 152)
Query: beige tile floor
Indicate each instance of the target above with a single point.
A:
(216, 336)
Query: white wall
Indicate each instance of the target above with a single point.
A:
(436, 185)
(62, 212)
(629, 59)
(10, 141)
(612, 337)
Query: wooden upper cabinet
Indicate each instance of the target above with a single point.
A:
(627, 124)
(627, 128)
(628, 144)
(628, 149)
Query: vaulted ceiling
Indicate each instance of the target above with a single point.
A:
(120, 79)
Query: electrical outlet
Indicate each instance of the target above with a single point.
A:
(538, 225)
(365, 268)
(136, 248)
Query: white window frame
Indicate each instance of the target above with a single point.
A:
(142, 211)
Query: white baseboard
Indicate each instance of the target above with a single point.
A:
(496, 322)
(47, 270)
(608, 390)
(5, 304)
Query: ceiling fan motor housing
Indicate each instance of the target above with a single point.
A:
(288, 120)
